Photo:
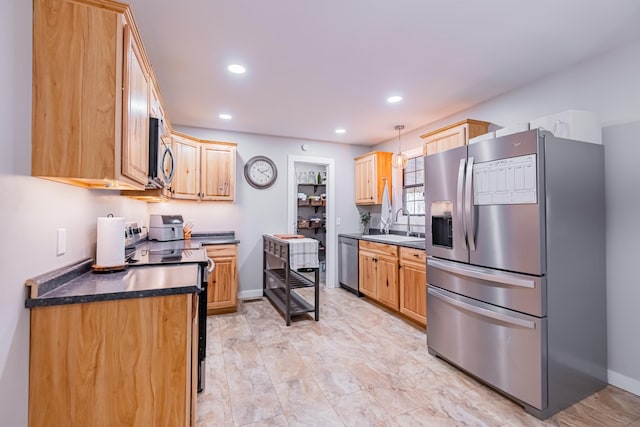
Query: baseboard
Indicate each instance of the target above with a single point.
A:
(254, 293)
(626, 383)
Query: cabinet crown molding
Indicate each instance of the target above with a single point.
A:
(461, 122)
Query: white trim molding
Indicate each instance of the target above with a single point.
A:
(250, 294)
(622, 381)
(292, 201)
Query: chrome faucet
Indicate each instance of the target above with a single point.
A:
(403, 209)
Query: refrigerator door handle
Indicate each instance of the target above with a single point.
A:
(460, 203)
(482, 311)
(478, 274)
(469, 223)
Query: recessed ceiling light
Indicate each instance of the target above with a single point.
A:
(225, 116)
(394, 99)
(341, 130)
(236, 69)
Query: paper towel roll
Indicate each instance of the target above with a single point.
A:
(110, 247)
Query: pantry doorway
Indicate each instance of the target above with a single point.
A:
(314, 177)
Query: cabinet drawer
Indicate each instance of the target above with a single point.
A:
(380, 248)
(221, 250)
(413, 255)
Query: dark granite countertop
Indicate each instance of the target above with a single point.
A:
(76, 283)
(418, 243)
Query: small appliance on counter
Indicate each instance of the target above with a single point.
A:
(166, 227)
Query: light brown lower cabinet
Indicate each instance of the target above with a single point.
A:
(222, 288)
(413, 284)
(395, 277)
(378, 272)
(114, 363)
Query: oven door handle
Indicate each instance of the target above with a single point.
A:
(482, 311)
(210, 265)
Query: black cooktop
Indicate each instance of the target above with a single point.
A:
(166, 256)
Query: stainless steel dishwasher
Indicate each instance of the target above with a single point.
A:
(348, 254)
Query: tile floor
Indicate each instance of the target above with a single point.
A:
(357, 366)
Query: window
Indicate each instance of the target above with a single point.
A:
(413, 186)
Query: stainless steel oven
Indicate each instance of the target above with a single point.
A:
(174, 255)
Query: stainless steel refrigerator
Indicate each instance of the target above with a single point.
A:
(516, 266)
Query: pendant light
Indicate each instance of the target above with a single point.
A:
(399, 160)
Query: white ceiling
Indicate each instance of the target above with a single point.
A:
(314, 66)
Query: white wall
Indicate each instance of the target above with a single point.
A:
(258, 212)
(31, 211)
(610, 86)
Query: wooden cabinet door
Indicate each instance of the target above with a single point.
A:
(195, 340)
(365, 176)
(367, 276)
(186, 181)
(387, 281)
(218, 172)
(446, 140)
(155, 109)
(84, 356)
(135, 121)
(222, 290)
(413, 291)
(222, 284)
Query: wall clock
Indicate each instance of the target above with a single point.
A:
(260, 172)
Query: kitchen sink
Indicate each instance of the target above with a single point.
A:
(392, 238)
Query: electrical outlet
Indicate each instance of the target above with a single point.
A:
(62, 241)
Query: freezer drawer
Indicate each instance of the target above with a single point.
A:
(504, 348)
(518, 292)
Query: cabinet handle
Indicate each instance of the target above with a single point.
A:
(416, 255)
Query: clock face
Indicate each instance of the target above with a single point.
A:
(260, 172)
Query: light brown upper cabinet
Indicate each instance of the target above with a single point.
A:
(186, 181)
(205, 170)
(135, 120)
(371, 172)
(218, 171)
(452, 136)
(86, 129)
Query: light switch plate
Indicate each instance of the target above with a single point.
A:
(62, 241)
(338, 220)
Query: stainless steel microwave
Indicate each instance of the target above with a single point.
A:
(161, 158)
